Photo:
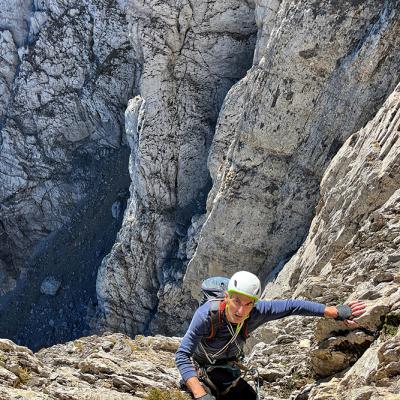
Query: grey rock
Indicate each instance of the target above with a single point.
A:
(284, 339)
(194, 235)
(189, 60)
(303, 393)
(271, 375)
(116, 209)
(393, 258)
(9, 55)
(347, 248)
(320, 71)
(280, 127)
(15, 18)
(67, 71)
(82, 369)
(64, 78)
(50, 286)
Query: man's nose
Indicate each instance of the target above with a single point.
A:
(240, 310)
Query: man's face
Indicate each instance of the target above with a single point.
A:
(238, 307)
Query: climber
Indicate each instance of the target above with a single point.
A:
(209, 356)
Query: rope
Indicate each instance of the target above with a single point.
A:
(212, 358)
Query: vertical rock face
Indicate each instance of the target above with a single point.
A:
(357, 212)
(321, 70)
(16, 19)
(67, 71)
(191, 54)
(352, 252)
(66, 90)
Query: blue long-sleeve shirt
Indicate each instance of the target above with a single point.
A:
(200, 329)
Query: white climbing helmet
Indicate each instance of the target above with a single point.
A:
(246, 283)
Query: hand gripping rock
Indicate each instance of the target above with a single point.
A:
(344, 312)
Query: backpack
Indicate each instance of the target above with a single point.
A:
(213, 290)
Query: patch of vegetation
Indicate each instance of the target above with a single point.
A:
(287, 389)
(391, 324)
(131, 344)
(297, 376)
(391, 330)
(23, 375)
(158, 394)
(78, 344)
(295, 382)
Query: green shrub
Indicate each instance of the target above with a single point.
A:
(391, 324)
(23, 375)
(158, 394)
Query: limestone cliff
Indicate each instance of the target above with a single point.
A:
(191, 54)
(67, 71)
(351, 252)
(65, 85)
(320, 71)
(262, 135)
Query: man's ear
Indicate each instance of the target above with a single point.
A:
(226, 295)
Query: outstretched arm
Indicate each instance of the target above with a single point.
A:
(276, 309)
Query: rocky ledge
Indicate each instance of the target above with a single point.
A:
(116, 367)
(108, 367)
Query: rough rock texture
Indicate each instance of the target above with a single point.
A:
(352, 252)
(65, 88)
(110, 367)
(281, 353)
(67, 70)
(321, 71)
(191, 54)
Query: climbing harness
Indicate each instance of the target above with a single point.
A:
(205, 370)
(238, 370)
